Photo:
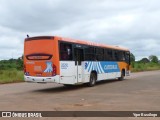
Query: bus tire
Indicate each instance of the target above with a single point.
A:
(122, 75)
(92, 80)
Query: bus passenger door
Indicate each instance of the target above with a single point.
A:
(78, 63)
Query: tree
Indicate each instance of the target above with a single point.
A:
(153, 58)
(19, 63)
(144, 60)
(132, 57)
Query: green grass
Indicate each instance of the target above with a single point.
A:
(11, 76)
(137, 67)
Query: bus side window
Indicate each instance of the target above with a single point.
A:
(89, 53)
(121, 56)
(108, 55)
(99, 54)
(65, 51)
(116, 56)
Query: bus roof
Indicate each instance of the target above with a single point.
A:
(92, 43)
(78, 41)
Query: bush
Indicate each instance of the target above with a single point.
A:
(8, 76)
(11, 64)
(138, 66)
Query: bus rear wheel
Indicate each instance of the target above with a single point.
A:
(92, 80)
(122, 75)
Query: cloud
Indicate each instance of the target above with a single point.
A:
(133, 24)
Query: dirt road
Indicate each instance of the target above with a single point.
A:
(140, 91)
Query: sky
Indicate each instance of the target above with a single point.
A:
(134, 24)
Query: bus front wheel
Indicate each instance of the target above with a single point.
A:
(92, 80)
(122, 75)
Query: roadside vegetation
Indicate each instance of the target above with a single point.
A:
(11, 71)
(145, 64)
(8, 76)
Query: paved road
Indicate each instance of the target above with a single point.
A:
(140, 91)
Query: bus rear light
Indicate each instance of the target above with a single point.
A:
(25, 71)
(54, 70)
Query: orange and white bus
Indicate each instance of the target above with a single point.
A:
(66, 61)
